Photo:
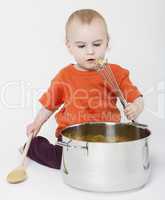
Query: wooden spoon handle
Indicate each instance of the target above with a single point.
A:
(26, 150)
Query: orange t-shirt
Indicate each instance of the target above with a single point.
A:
(85, 97)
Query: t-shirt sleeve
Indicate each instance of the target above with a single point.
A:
(53, 98)
(130, 91)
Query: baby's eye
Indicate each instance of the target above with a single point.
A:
(81, 46)
(97, 44)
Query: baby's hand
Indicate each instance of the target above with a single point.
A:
(132, 111)
(32, 128)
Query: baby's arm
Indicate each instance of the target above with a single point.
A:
(133, 110)
(41, 117)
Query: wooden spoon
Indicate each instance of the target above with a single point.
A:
(19, 174)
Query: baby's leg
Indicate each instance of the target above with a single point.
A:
(45, 153)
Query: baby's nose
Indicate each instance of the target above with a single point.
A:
(90, 50)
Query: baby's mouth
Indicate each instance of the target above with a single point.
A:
(91, 60)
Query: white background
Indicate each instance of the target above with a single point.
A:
(32, 50)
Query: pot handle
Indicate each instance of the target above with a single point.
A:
(68, 145)
(63, 144)
(146, 162)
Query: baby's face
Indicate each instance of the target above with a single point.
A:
(87, 42)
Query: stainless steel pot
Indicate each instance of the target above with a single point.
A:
(120, 162)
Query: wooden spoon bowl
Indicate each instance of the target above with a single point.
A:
(19, 174)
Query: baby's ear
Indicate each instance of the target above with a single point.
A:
(67, 43)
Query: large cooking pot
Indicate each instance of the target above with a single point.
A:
(105, 157)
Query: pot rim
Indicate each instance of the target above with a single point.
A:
(105, 123)
(106, 143)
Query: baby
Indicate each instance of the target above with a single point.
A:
(78, 93)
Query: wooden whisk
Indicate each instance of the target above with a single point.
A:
(105, 71)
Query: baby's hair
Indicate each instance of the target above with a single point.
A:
(85, 16)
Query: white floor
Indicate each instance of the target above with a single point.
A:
(45, 183)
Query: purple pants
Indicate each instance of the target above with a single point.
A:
(45, 153)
